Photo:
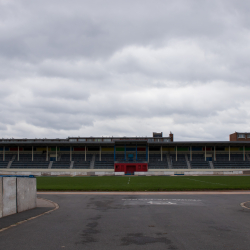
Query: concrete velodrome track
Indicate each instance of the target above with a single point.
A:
(176, 220)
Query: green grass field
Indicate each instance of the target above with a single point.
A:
(143, 183)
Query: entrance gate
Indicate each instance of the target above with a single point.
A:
(130, 168)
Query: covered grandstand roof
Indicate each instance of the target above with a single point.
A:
(129, 141)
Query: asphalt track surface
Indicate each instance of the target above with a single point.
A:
(136, 221)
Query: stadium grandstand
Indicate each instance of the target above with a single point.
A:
(124, 154)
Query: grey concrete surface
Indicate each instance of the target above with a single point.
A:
(44, 203)
(15, 218)
(42, 207)
(9, 195)
(146, 192)
(26, 194)
(1, 197)
(128, 221)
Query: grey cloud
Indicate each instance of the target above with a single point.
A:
(59, 121)
(89, 29)
(124, 68)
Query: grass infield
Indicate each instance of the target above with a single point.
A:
(143, 183)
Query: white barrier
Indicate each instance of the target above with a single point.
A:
(84, 172)
(17, 194)
(140, 173)
(119, 173)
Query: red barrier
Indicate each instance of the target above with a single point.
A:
(131, 167)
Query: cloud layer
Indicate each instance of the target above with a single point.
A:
(124, 68)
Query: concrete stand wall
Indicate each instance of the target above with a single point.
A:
(9, 195)
(1, 197)
(17, 194)
(26, 194)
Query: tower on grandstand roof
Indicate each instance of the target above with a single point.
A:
(239, 136)
(156, 134)
(160, 135)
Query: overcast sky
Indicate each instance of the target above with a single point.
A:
(124, 68)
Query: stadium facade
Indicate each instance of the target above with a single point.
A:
(123, 154)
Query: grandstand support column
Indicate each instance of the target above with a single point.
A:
(136, 152)
(70, 153)
(229, 153)
(125, 152)
(100, 154)
(205, 153)
(18, 153)
(148, 153)
(176, 153)
(214, 153)
(56, 153)
(47, 154)
(4, 153)
(85, 153)
(190, 153)
(244, 155)
(114, 152)
(32, 154)
(161, 153)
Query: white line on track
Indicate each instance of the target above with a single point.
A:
(243, 204)
(161, 203)
(160, 200)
